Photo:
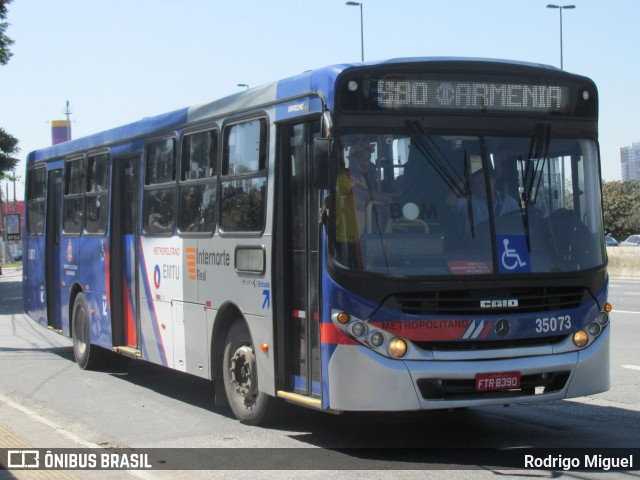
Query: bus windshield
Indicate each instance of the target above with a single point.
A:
(416, 203)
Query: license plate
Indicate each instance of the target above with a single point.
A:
(497, 381)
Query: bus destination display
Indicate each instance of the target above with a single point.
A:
(464, 95)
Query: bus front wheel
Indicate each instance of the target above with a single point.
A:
(240, 375)
(88, 357)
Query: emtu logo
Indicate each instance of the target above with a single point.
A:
(156, 276)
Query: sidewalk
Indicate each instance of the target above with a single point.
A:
(20, 426)
(10, 274)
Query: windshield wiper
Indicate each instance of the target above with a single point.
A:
(532, 172)
(467, 194)
(429, 150)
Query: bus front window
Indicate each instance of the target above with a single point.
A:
(416, 204)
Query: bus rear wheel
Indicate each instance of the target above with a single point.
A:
(240, 375)
(88, 357)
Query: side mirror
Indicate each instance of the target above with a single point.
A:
(320, 162)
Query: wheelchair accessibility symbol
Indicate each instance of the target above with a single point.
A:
(513, 254)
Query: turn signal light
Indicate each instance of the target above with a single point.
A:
(343, 318)
(608, 307)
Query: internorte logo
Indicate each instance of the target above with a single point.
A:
(197, 258)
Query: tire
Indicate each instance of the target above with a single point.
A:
(88, 357)
(240, 375)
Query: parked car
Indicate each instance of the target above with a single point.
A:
(610, 241)
(17, 256)
(632, 241)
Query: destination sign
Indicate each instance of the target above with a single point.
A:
(465, 95)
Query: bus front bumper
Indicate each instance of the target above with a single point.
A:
(362, 380)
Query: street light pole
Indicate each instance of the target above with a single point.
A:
(67, 113)
(561, 7)
(244, 85)
(358, 4)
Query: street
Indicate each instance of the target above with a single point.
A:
(46, 401)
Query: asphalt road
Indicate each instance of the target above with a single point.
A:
(46, 401)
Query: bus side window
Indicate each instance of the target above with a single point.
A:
(36, 194)
(73, 196)
(97, 196)
(197, 200)
(244, 177)
(159, 199)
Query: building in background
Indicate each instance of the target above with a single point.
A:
(630, 162)
(11, 227)
(60, 131)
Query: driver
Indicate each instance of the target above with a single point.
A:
(502, 204)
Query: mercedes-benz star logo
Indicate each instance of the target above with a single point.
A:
(502, 328)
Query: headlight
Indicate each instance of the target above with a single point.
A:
(369, 334)
(397, 347)
(376, 339)
(580, 338)
(358, 329)
(594, 329)
(602, 318)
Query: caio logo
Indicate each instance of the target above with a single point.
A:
(507, 303)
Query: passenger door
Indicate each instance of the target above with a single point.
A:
(298, 240)
(124, 245)
(53, 255)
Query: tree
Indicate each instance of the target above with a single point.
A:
(8, 143)
(5, 42)
(8, 147)
(621, 208)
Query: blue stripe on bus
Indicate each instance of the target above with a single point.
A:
(300, 383)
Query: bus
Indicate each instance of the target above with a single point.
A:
(401, 235)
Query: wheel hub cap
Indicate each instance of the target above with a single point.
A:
(243, 365)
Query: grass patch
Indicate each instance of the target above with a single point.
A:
(12, 265)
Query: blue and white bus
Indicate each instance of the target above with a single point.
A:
(400, 235)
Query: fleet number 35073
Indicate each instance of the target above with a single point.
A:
(553, 324)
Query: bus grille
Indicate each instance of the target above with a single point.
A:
(454, 389)
(530, 299)
(491, 344)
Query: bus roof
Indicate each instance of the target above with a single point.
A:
(313, 82)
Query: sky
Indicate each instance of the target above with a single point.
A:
(117, 61)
